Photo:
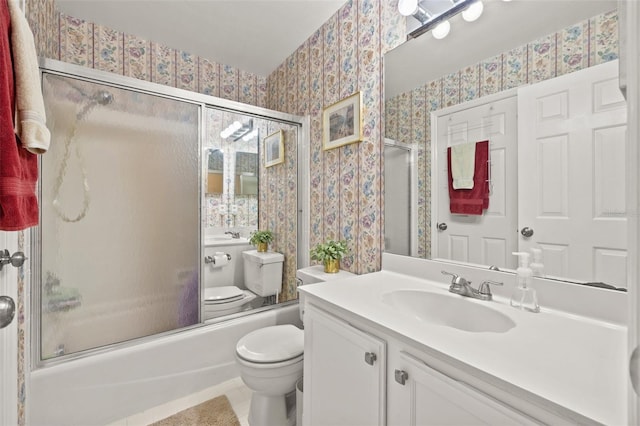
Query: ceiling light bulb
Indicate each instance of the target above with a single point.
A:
(441, 30)
(407, 7)
(473, 12)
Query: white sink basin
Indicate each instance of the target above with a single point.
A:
(449, 310)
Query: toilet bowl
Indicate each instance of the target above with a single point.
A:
(270, 360)
(225, 300)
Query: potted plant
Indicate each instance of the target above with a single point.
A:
(261, 240)
(330, 254)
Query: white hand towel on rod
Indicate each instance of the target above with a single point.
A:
(463, 164)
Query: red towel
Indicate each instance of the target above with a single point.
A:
(471, 201)
(18, 167)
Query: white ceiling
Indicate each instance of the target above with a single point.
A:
(252, 35)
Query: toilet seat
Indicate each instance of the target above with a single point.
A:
(272, 345)
(223, 294)
(225, 300)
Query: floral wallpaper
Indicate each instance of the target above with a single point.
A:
(407, 116)
(342, 57)
(80, 42)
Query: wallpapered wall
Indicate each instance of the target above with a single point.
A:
(96, 46)
(342, 57)
(407, 116)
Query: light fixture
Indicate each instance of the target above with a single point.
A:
(432, 14)
(230, 129)
(473, 12)
(441, 30)
(237, 130)
(407, 7)
(252, 134)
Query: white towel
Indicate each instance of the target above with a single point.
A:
(31, 120)
(463, 164)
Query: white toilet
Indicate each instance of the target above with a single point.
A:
(270, 360)
(225, 300)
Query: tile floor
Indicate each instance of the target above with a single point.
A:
(239, 396)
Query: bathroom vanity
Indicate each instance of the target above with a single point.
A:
(396, 347)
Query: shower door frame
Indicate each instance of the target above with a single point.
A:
(58, 68)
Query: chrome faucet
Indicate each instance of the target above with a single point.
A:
(461, 286)
(233, 234)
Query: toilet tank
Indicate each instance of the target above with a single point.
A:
(263, 272)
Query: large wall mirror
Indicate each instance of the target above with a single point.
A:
(492, 63)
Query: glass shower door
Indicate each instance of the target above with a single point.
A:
(120, 239)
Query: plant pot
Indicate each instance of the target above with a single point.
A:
(262, 247)
(331, 266)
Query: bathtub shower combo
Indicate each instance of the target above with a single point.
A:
(131, 218)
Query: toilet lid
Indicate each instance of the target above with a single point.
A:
(222, 294)
(276, 343)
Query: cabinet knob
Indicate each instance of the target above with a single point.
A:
(401, 376)
(370, 358)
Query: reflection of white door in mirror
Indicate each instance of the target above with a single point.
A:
(571, 179)
(489, 238)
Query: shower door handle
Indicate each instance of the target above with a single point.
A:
(7, 311)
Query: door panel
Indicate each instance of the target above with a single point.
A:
(571, 174)
(9, 339)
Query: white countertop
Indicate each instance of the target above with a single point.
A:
(575, 362)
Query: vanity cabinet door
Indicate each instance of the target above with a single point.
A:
(344, 373)
(429, 397)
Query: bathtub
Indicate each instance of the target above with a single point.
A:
(118, 383)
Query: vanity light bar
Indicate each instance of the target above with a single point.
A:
(236, 130)
(428, 26)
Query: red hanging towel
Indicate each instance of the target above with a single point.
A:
(471, 201)
(18, 167)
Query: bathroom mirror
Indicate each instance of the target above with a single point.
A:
(215, 171)
(231, 187)
(512, 44)
(246, 173)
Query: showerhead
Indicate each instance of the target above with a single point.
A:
(101, 97)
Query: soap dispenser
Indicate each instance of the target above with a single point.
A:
(536, 266)
(524, 297)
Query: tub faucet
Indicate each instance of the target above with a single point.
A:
(461, 286)
(233, 234)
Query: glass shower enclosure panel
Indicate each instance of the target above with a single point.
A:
(119, 233)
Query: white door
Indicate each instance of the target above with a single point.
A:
(8, 336)
(571, 179)
(344, 373)
(488, 239)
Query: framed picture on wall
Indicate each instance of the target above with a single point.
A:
(342, 122)
(274, 149)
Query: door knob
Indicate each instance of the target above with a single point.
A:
(16, 259)
(7, 311)
(442, 226)
(526, 232)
